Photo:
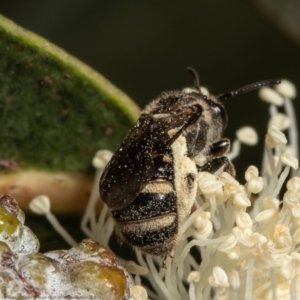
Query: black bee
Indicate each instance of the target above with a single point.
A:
(150, 182)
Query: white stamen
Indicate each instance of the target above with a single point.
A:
(234, 253)
(234, 279)
(247, 135)
(291, 266)
(249, 280)
(296, 236)
(289, 160)
(269, 95)
(235, 150)
(133, 268)
(208, 184)
(251, 172)
(194, 276)
(255, 185)
(280, 120)
(139, 293)
(241, 200)
(293, 129)
(244, 220)
(89, 223)
(286, 89)
(101, 158)
(229, 242)
(293, 184)
(203, 224)
(275, 137)
(270, 202)
(218, 278)
(41, 205)
(266, 215)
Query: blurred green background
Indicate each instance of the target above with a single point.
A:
(144, 47)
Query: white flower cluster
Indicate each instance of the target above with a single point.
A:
(242, 242)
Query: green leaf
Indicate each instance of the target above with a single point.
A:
(55, 111)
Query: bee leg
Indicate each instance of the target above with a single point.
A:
(219, 148)
(194, 113)
(164, 262)
(218, 164)
(120, 239)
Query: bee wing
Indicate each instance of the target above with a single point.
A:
(131, 167)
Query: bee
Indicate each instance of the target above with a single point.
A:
(150, 183)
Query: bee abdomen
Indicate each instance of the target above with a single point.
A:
(156, 235)
(150, 221)
(156, 199)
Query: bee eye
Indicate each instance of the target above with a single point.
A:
(224, 117)
(220, 112)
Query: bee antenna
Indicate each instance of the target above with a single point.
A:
(195, 76)
(248, 88)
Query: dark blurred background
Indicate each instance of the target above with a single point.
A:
(144, 47)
